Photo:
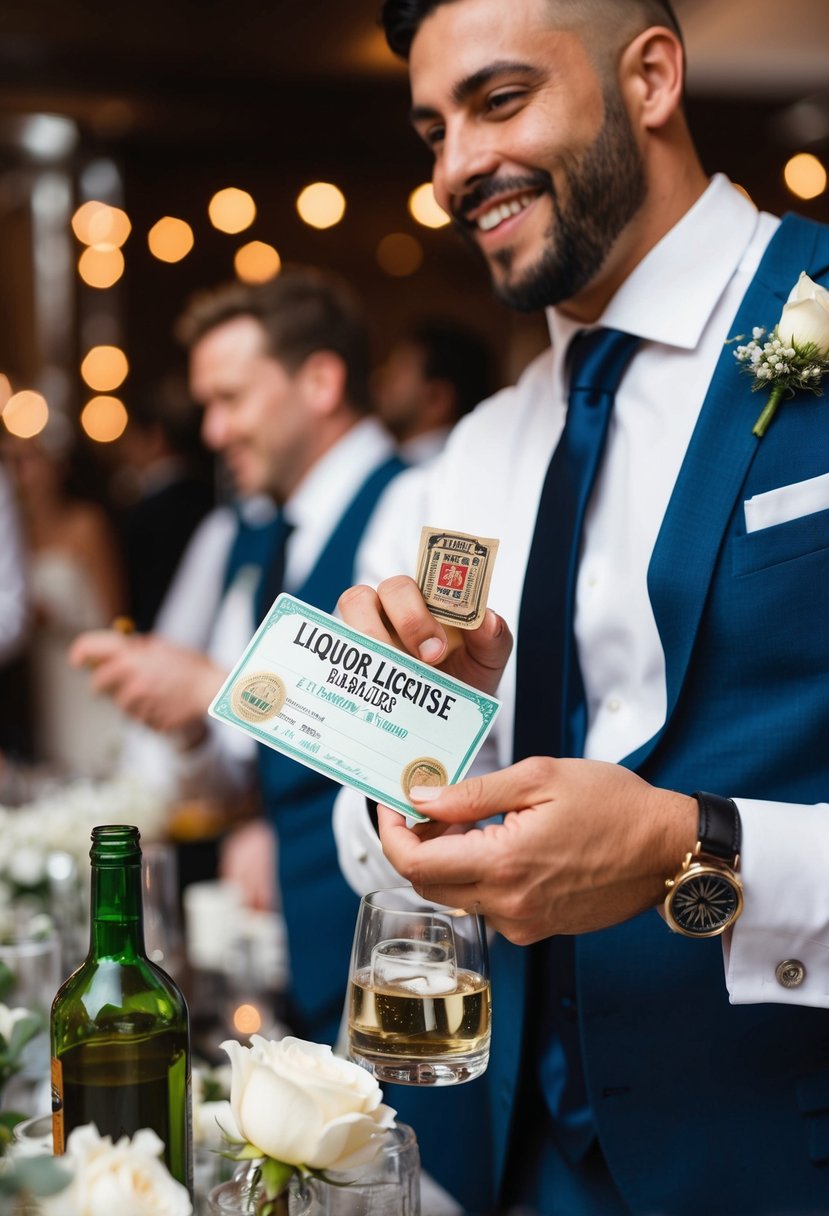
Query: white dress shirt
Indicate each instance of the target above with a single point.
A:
(14, 599)
(488, 482)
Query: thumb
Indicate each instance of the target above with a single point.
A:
(465, 802)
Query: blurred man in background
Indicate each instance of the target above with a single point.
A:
(281, 372)
(434, 374)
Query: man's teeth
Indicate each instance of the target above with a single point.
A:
(503, 211)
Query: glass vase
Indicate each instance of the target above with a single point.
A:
(388, 1186)
(241, 1196)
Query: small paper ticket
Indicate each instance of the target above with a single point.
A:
(364, 714)
(454, 571)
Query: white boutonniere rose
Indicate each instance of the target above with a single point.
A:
(127, 1178)
(795, 355)
(302, 1110)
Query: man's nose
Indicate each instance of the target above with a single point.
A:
(213, 429)
(467, 157)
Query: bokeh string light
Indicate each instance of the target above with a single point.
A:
(231, 210)
(26, 413)
(104, 419)
(805, 176)
(170, 239)
(104, 368)
(321, 205)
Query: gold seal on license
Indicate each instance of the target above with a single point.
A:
(258, 697)
(423, 771)
(454, 571)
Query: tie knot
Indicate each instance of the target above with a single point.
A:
(599, 358)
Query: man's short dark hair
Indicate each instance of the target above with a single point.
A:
(454, 353)
(401, 19)
(303, 310)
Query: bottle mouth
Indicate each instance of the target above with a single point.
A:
(115, 844)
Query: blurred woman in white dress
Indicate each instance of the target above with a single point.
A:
(76, 583)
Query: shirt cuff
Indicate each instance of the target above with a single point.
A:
(358, 846)
(778, 951)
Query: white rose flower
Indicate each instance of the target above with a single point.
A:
(127, 1178)
(298, 1103)
(805, 316)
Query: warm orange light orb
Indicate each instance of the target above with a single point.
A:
(256, 262)
(101, 265)
(96, 223)
(26, 413)
(231, 210)
(424, 207)
(104, 419)
(170, 239)
(247, 1019)
(805, 176)
(399, 254)
(104, 368)
(321, 205)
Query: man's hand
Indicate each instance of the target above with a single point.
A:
(248, 857)
(167, 687)
(396, 614)
(583, 845)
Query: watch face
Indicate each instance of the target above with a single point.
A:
(705, 902)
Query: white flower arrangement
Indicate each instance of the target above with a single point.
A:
(795, 355)
(125, 1177)
(60, 821)
(300, 1110)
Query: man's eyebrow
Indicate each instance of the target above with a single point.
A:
(473, 83)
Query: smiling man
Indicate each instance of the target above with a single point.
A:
(661, 755)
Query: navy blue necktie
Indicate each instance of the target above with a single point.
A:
(546, 643)
(273, 573)
(556, 725)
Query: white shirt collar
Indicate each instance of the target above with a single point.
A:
(670, 296)
(336, 475)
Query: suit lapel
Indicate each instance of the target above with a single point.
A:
(719, 455)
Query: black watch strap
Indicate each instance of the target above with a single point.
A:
(719, 826)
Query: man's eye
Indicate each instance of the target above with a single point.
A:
(434, 135)
(503, 100)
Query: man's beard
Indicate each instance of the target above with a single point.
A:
(604, 190)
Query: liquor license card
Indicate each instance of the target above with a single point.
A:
(363, 713)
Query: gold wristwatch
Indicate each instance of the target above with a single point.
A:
(706, 896)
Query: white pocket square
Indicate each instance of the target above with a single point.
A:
(787, 502)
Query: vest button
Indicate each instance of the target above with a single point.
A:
(790, 973)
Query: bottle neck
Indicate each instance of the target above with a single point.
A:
(117, 921)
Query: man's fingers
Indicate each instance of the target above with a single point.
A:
(91, 648)
(361, 608)
(417, 629)
(445, 857)
(511, 789)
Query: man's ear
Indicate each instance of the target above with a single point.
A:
(321, 380)
(652, 76)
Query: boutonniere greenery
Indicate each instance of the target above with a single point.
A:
(795, 355)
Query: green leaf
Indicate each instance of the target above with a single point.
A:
(7, 981)
(23, 1031)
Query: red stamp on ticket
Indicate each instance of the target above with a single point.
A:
(454, 571)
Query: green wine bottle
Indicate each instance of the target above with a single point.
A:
(120, 1031)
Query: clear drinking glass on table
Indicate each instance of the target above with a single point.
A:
(419, 995)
